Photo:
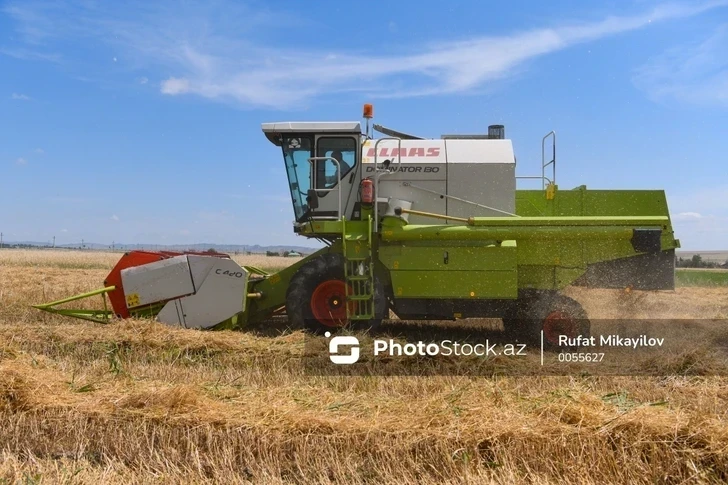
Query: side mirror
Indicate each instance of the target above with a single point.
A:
(312, 199)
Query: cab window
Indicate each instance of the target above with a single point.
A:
(343, 149)
(296, 152)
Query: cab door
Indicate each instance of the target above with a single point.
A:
(335, 182)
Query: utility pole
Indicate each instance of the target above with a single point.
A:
(81, 243)
(54, 242)
(1, 240)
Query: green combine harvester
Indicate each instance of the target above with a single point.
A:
(432, 229)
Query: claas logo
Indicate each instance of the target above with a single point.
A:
(406, 152)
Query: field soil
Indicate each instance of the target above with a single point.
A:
(139, 402)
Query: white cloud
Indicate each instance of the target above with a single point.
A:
(288, 78)
(700, 218)
(702, 201)
(39, 151)
(64, 230)
(65, 199)
(20, 97)
(21, 161)
(142, 80)
(702, 233)
(209, 216)
(175, 85)
(217, 57)
(695, 73)
(114, 217)
(688, 215)
(30, 55)
(260, 197)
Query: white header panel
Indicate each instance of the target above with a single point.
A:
(480, 151)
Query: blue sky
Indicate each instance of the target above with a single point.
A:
(140, 121)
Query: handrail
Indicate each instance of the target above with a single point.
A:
(543, 178)
(338, 174)
(544, 164)
(378, 173)
(539, 177)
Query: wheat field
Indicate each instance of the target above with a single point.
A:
(139, 402)
(70, 259)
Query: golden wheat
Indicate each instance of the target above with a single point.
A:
(139, 402)
(77, 259)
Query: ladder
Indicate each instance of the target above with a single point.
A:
(358, 271)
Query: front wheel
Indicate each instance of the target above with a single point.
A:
(316, 297)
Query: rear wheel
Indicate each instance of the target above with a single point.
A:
(550, 312)
(316, 298)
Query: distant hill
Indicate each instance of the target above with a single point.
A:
(223, 248)
(713, 256)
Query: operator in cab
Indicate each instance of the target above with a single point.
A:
(332, 180)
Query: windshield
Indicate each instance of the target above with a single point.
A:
(296, 152)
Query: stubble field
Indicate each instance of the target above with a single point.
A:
(138, 402)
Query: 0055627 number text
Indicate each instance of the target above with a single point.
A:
(581, 357)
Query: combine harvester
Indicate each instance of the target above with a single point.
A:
(429, 228)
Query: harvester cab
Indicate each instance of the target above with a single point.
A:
(323, 164)
(426, 228)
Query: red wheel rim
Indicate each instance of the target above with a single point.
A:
(559, 323)
(328, 303)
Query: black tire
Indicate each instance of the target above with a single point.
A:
(548, 311)
(307, 279)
